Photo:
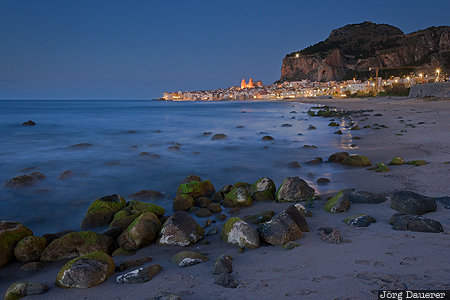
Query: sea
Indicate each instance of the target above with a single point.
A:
(128, 146)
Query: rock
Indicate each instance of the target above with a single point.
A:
(267, 138)
(330, 235)
(219, 136)
(206, 133)
(22, 289)
(290, 245)
(10, 234)
(356, 127)
(315, 161)
(28, 123)
(132, 263)
(356, 161)
(379, 167)
(191, 178)
(223, 265)
(309, 147)
(174, 148)
(113, 232)
(188, 258)
(238, 232)
(65, 175)
(297, 216)
(280, 230)
(411, 203)
(75, 244)
(338, 203)
(338, 132)
(81, 146)
(215, 208)
(102, 210)
(142, 232)
(263, 189)
(196, 189)
(122, 252)
(415, 223)
(50, 237)
(363, 197)
(32, 266)
(134, 209)
(140, 275)
(181, 230)
(24, 180)
(294, 189)
(302, 210)
(334, 124)
(202, 202)
(182, 202)
(322, 181)
(86, 271)
(150, 155)
(226, 280)
(294, 164)
(203, 213)
(146, 195)
(30, 248)
(338, 157)
(417, 163)
(311, 127)
(396, 161)
(239, 196)
(444, 200)
(286, 125)
(359, 220)
(259, 217)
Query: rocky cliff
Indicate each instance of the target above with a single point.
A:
(349, 51)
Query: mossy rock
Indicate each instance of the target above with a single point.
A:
(290, 245)
(22, 289)
(263, 184)
(379, 167)
(357, 161)
(259, 217)
(10, 234)
(417, 163)
(102, 210)
(142, 232)
(239, 196)
(122, 219)
(396, 161)
(197, 189)
(75, 244)
(183, 202)
(238, 232)
(356, 127)
(30, 248)
(146, 207)
(337, 203)
(227, 227)
(333, 124)
(188, 258)
(263, 196)
(86, 271)
(338, 157)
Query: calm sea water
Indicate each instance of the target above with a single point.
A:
(120, 131)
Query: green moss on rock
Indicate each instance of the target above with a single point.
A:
(197, 189)
(10, 234)
(379, 167)
(227, 227)
(102, 210)
(357, 161)
(396, 161)
(417, 163)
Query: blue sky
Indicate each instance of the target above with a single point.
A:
(107, 49)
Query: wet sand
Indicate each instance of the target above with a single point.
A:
(375, 257)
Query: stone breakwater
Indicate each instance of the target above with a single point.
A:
(437, 89)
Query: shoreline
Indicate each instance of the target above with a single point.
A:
(315, 269)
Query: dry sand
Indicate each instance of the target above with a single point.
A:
(375, 257)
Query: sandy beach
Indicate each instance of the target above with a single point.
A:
(374, 257)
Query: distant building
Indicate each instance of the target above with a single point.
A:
(248, 85)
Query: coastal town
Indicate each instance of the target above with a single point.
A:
(304, 88)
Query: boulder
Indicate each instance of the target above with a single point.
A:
(239, 196)
(203, 212)
(180, 229)
(322, 181)
(140, 275)
(196, 189)
(218, 136)
(417, 163)
(280, 230)
(10, 234)
(188, 258)
(22, 289)
(363, 197)
(396, 161)
(223, 265)
(65, 175)
(267, 138)
(134, 209)
(75, 244)
(379, 167)
(182, 202)
(359, 220)
(290, 245)
(356, 161)
(215, 208)
(113, 232)
(333, 124)
(29, 123)
(32, 266)
(30, 248)
(86, 271)
(338, 203)
(259, 217)
(191, 178)
(142, 232)
(338, 157)
(330, 235)
(411, 203)
(226, 280)
(24, 180)
(263, 184)
(294, 189)
(102, 210)
(317, 160)
(294, 165)
(415, 223)
(297, 216)
(238, 232)
(132, 263)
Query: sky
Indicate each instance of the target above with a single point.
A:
(137, 49)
